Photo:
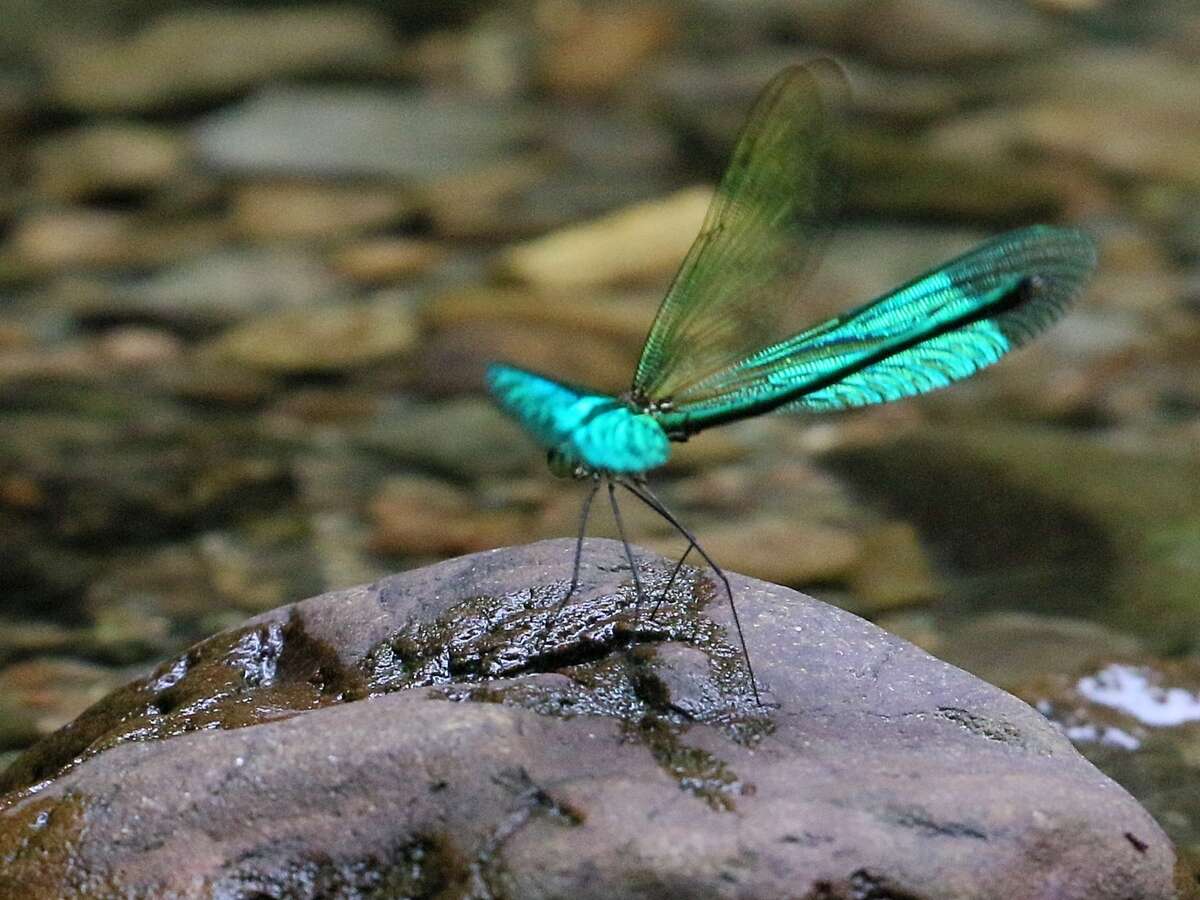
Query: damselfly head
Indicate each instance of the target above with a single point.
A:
(563, 466)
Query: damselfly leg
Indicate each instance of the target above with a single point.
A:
(643, 493)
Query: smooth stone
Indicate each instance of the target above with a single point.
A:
(946, 33)
(21, 638)
(106, 159)
(493, 56)
(131, 471)
(1012, 648)
(132, 348)
(1114, 76)
(81, 238)
(221, 288)
(611, 142)
(645, 241)
(404, 506)
(579, 193)
(17, 727)
(622, 316)
(458, 738)
(893, 177)
(329, 338)
(892, 569)
(304, 407)
(596, 50)
(776, 548)
(464, 438)
(383, 260)
(196, 55)
(453, 360)
(266, 211)
(1137, 719)
(1153, 143)
(483, 201)
(359, 132)
(51, 691)
(41, 576)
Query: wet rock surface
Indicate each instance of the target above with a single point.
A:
(444, 732)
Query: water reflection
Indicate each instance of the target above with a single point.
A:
(1131, 690)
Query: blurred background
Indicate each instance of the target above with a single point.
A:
(254, 258)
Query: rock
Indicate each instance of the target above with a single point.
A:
(461, 742)
(99, 483)
(901, 178)
(598, 48)
(203, 54)
(386, 259)
(624, 317)
(1114, 76)
(299, 210)
(646, 241)
(464, 439)
(491, 57)
(405, 506)
(480, 202)
(214, 382)
(17, 727)
(53, 691)
(303, 407)
(359, 133)
(1012, 648)
(1149, 147)
(613, 142)
(892, 569)
(107, 159)
(530, 196)
(779, 549)
(1137, 720)
(40, 575)
(332, 338)
(220, 288)
(945, 33)
(82, 238)
(453, 360)
(133, 348)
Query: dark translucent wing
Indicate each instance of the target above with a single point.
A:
(758, 240)
(937, 329)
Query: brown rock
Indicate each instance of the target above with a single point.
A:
(413, 515)
(624, 317)
(778, 549)
(264, 211)
(386, 259)
(937, 33)
(1014, 648)
(138, 348)
(205, 53)
(465, 739)
(645, 241)
(327, 339)
(107, 158)
(892, 569)
(595, 49)
(53, 690)
(454, 359)
(77, 238)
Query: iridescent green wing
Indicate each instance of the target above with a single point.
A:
(939, 328)
(759, 238)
